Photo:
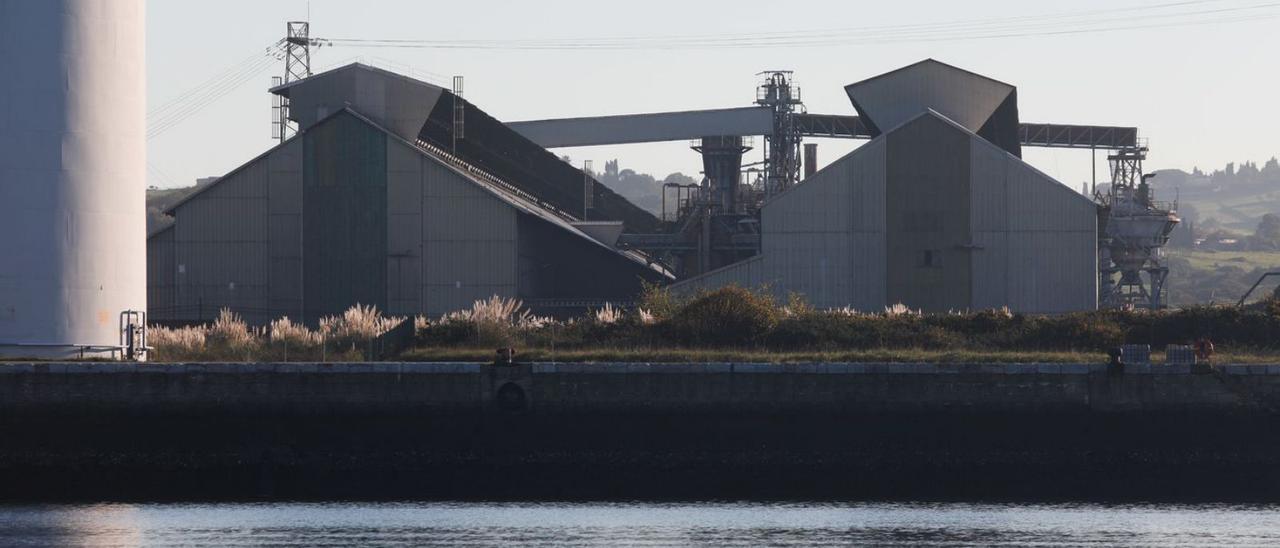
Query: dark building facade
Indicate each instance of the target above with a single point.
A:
(350, 211)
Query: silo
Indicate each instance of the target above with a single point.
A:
(72, 173)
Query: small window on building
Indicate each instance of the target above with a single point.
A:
(931, 258)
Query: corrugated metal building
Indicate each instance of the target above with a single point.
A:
(938, 212)
(365, 206)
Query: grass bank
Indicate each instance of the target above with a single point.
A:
(734, 324)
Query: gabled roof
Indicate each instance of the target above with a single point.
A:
(283, 90)
(933, 114)
(892, 98)
(514, 199)
(521, 203)
(201, 190)
(979, 141)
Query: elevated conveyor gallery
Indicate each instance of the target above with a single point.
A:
(695, 124)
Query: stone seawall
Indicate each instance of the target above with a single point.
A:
(110, 431)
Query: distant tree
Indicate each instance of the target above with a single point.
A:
(641, 189)
(1271, 171)
(679, 179)
(1267, 235)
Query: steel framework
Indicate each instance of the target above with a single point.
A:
(297, 65)
(1133, 230)
(782, 146)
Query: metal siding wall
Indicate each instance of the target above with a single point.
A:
(284, 210)
(824, 239)
(927, 206)
(221, 249)
(160, 276)
(808, 242)
(868, 223)
(320, 96)
(1038, 238)
(1052, 245)
(404, 229)
(748, 273)
(989, 184)
(397, 103)
(468, 241)
(344, 239)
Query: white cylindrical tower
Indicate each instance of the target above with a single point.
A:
(72, 173)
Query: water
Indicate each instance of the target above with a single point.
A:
(636, 524)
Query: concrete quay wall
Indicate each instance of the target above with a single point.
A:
(457, 431)
(556, 387)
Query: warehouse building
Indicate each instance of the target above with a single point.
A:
(373, 202)
(937, 212)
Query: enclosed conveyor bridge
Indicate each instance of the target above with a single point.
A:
(748, 121)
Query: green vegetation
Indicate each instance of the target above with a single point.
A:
(1233, 198)
(735, 324)
(1209, 259)
(160, 199)
(1230, 234)
(1222, 277)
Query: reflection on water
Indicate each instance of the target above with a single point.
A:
(635, 524)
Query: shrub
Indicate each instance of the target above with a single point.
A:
(284, 331)
(1271, 304)
(177, 344)
(446, 332)
(230, 336)
(290, 341)
(495, 322)
(822, 331)
(1081, 331)
(608, 315)
(725, 316)
(658, 301)
(358, 324)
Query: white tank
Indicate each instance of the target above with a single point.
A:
(72, 173)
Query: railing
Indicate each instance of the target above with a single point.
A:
(1076, 136)
(82, 349)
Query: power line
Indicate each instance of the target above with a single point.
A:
(182, 97)
(229, 81)
(929, 27)
(1169, 14)
(211, 91)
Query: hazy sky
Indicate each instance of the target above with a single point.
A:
(1203, 94)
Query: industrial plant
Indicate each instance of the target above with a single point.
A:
(389, 191)
(402, 194)
(937, 212)
(371, 202)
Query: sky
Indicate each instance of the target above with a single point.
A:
(1202, 87)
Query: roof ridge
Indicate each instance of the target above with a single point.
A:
(930, 60)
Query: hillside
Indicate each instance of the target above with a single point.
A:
(1233, 198)
(160, 199)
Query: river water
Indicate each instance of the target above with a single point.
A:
(636, 524)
